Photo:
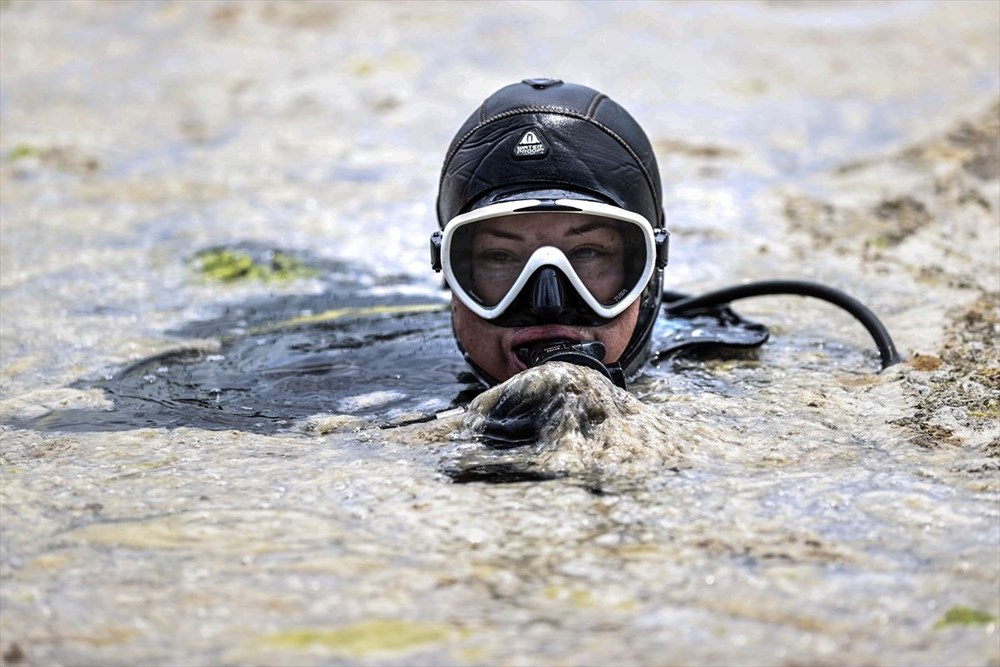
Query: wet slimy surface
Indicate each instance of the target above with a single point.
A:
(816, 512)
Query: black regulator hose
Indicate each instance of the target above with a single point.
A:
(861, 312)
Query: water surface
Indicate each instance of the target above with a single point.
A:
(825, 513)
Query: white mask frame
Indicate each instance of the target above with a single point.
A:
(655, 241)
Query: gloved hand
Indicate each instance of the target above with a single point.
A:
(517, 417)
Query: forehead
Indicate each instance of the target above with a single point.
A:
(547, 224)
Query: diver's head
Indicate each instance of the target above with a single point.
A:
(551, 218)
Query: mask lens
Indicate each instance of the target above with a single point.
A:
(607, 256)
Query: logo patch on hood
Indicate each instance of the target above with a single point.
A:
(531, 145)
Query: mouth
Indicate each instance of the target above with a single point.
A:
(525, 340)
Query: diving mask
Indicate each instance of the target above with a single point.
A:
(585, 258)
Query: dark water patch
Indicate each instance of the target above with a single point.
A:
(367, 346)
(498, 473)
(372, 349)
(283, 360)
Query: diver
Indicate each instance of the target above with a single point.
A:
(553, 241)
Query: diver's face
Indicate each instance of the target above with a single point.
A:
(499, 249)
(493, 348)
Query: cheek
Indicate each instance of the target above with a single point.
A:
(607, 285)
(616, 335)
(482, 341)
(491, 286)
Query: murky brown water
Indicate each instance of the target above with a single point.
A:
(814, 512)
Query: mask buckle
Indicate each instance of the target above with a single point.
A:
(661, 238)
(436, 251)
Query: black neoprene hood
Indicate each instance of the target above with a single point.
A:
(554, 137)
(546, 139)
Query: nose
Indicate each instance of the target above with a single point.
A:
(547, 295)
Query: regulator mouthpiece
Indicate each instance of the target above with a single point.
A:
(589, 354)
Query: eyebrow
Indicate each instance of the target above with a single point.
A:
(502, 234)
(591, 226)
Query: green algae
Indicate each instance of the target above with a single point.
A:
(362, 638)
(964, 616)
(228, 266)
(21, 151)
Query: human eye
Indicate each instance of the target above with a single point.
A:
(497, 257)
(589, 253)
